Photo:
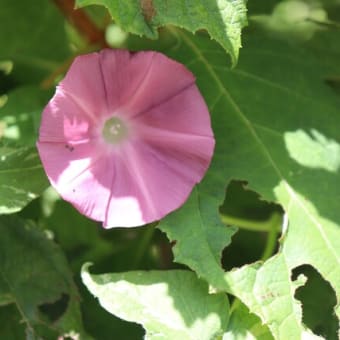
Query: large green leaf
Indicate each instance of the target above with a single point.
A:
(223, 19)
(169, 304)
(22, 177)
(33, 273)
(276, 125)
(32, 36)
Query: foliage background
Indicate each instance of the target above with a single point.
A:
(254, 252)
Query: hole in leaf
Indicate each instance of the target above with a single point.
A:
(53, 311)
(318, 301)
(7, 82)
(256, 220)
(334, 83)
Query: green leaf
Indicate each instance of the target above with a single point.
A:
(33, 37)
(20, 116)
(200, 236)
(11, 326)
(169, 304)
(243, 325)
(22, 177)
(33, 273)
(275, 133)
(222, 19)
(267, 291)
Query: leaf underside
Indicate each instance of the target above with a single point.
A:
(169, 304)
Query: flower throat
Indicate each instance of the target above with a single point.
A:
(114, 131)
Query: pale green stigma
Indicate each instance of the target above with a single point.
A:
(115, 130)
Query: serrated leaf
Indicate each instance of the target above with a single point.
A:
(223, 19)
(35, 41)
(22, 177)
(169, 304)
(268, 114)
(199, 247)
(33, 272)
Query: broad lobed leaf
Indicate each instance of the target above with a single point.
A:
(223, 19)
(276, 123)
(169, 304)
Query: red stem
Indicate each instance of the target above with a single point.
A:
(80, 20)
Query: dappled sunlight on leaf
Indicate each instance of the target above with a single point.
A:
(169, 304)
(21, 177)
(311, 238)
(313, 150)
(251, 145)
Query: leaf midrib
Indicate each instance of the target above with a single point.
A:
(313, 219)
(224, 91)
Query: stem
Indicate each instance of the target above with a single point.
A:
(84, 25)
(235, 304)
(271, 244)
(327, 23)
(143, 245)
(49, 81)
(274, 222)
(267, 253)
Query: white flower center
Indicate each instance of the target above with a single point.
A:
(114, 130)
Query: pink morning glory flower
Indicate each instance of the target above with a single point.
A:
(126, 136)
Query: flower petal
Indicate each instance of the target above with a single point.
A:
(81, 174)
(84, 83)
(137, 82)
(63, 120)
(158, 182)
(184, 113)
(165, 152)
